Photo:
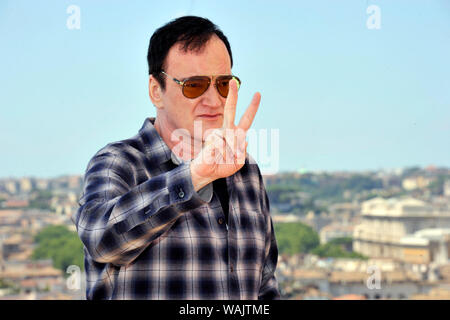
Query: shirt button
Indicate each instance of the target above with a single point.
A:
(220, 220)
(181, 193)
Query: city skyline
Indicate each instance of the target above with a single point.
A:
(396, 171)
(344, 97)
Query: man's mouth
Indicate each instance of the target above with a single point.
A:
(210, 116)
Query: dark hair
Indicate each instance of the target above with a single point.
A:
(191, 31)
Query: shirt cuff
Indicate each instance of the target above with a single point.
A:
(206, 192)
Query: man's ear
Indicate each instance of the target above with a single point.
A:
(154, 92)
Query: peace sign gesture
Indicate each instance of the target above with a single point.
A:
(224, 150)
(230, 109)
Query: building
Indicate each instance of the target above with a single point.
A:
(390, 228)
(335, 230)
(2, 260)
(353, 279)
(32, 278)
(15, 203)
(10, 217)
(25, 185)
(446, 190)
(317, 221)
(345, 211)
(10, 186)
(426, 246)
(392, 285)
(416, 182)
(434, 294)
(282, 218)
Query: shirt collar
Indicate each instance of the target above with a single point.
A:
(155, 147)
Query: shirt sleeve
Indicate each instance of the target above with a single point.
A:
(269, 285)
(118, 219)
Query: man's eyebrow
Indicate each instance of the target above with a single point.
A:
(201, 75)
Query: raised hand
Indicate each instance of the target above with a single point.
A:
(224, 150)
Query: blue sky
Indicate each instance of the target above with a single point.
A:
(344, 97)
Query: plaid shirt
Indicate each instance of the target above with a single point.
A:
(148, 234)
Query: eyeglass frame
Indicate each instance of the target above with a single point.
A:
(211, 77)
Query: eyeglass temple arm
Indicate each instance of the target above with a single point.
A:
(176, 80)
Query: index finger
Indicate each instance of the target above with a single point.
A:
(247, 118)
(229, 111)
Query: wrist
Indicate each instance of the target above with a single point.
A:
(199, 181)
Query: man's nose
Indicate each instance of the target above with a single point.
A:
(212, 97)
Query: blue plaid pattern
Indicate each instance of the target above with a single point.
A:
(148, 234)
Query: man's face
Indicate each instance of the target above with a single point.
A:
(181, 112)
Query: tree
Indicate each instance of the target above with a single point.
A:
(437, 186)
(61, 245)
(295, 237)
(337, 248)
(278, 192)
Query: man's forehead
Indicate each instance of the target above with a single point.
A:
(212, 58)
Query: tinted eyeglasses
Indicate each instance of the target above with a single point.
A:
(194, 87)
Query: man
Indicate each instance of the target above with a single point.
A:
(180, 210)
